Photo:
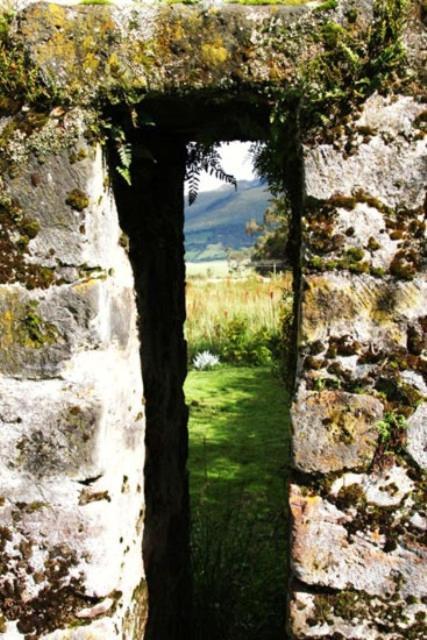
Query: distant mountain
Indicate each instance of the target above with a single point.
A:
(217, 220)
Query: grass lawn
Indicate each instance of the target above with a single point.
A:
(239, 452)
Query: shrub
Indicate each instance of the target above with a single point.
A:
(240, 320)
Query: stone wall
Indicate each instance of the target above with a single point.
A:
(360, 416)
(72, 284)
(71, 405)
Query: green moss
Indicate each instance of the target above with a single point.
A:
(347, 604)
(32, 331)
(373, 244)
(91, 2)
(30, 227)
(345, 202)
(355, 254)
(390, 423)
(77, 200)
(77, 156)
(214, 53)
(290, 3)
(359, 267)
(87, 497)
(124, 241)
(20, 81)
(328, 5)
(249, 2)
(16, 231)
(404, 264)
(31, 507)
(362, 196)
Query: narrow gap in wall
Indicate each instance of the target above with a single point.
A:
(150, 203)
(239, 308)
(238, 529)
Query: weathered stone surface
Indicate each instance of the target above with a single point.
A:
(354, 615)
(76, 234)
(158, 47)
(71, 414)
(417, 436)
(334, 430)
(384, 488)
(64, 495)
(390, 166)
(358, 551)
(71, 423)
(41, 331)
(366, 308)
(325, 553)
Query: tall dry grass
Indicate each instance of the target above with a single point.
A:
(217, 307)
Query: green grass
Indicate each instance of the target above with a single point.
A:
(239, 451)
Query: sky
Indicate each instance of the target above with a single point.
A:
(235, 160)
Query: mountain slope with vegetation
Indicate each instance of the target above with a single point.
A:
(217, 220)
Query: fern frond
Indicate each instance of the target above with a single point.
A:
(125, 173)
(125, 155)
(203, 157)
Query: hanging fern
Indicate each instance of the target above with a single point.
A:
(125, 155)
(123, 149)
(203, 157)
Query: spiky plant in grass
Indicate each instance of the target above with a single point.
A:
(205, 360)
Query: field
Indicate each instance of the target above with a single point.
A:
(238, 460)
(237, 318)
(207, 269)
(239, 441)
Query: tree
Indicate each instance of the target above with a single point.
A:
(269, 252)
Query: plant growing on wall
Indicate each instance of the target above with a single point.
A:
(349, 67)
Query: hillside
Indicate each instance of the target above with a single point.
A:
(216, 221)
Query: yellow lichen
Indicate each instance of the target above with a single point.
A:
(214, 53)
(22, 326)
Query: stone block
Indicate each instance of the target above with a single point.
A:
(72, 496)
(73, 209)
(383, 488)
(417, 436)
(366, 308)
(325, 553)
(334, 430)
(390, 165)
(42, 330)
(355, 615)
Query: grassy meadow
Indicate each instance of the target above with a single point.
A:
(239, 441)
(238, 319)
(238, 460)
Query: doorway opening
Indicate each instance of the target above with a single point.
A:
(239, 305)
(248, 502)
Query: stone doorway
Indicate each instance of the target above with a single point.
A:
(72, 511)
(151, 212)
